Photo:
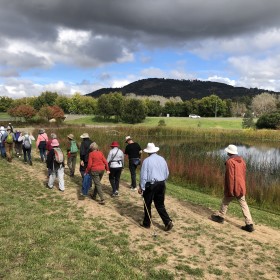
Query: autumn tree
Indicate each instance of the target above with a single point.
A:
(264, 103)
(51, 112)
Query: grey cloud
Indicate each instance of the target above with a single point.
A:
(178, 19)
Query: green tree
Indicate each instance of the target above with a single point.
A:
(45, 99)
(134, 111)
(64, 103)
(154, 109)
(109, 105)
(80, 104)
(211, 106)
(5, 103)
(248, 120)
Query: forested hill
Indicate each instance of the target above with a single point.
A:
(186, 89)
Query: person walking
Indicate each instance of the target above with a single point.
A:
(84, 152)
(41, 144)
(26, 140)
(9, 144)
(2, 143)
(18, 143)
(56, 166)
(72, 150)
(235, 188)
(115, 161)
(133, 151)
(154, 173)
(49, 142)
(97, 164)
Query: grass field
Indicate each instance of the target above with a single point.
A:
(175, 122)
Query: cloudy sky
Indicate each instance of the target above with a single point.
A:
(72, 46)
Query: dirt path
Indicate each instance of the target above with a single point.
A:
(196, 248)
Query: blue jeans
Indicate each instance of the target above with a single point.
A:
(132, 169)
(43, 154)
(3, 151)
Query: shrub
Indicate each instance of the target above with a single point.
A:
(269, 121)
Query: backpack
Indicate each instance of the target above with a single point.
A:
(10, 138)
(73, 147)
(58, 155)
(17, 134)
(26, 143)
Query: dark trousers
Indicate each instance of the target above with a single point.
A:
(114, 178)
(26, 154)
(132, 169)
(156, 193)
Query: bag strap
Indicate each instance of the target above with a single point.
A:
(114, 155)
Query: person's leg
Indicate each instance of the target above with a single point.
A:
(69, 164)
(51, 178)
(41, 154)
(97, 184)
(112, 179)
(8, 151)
(60, 175)
(117, 178)
(148, 199)
(245, 210)
(24, 154)
(28, 151)
(159, 196)
(224, 206)
(74, 160)
(132, 169)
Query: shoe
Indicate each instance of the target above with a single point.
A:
(102, 202)
(169, 226)
(144, 226)
(25, 162)
(249, 228)
(30, 163)
(133, 189)
(61, 190)
(217, 219)
(93, 197)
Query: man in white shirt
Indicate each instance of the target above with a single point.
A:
(154, 173)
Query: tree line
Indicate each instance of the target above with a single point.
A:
(134, 109)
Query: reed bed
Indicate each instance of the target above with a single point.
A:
(190, 158)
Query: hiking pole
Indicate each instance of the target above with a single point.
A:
(154, 233)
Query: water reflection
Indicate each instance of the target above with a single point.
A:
(259, 157)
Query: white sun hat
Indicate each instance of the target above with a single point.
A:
(231, 149)
(151, 148)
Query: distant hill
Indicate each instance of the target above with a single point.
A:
(186, 89)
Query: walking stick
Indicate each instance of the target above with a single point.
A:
(154, 232)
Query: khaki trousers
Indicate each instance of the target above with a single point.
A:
(243, 204)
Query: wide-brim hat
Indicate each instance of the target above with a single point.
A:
(70, 136)
(84, 135)
(114, 144)
(127, 138)
(151, 148)
(231, 149)
(2, 128)
(55, 143)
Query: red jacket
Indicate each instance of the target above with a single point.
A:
(235, 177)
(96, 162)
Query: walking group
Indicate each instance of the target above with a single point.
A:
(93, 164)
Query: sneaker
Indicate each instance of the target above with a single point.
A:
(61, 190)
(133, 189)
(217, 219)
(249, 228)
(93, 197)
(144, 225)
(169, 226)
(102, 202)
(30, 162)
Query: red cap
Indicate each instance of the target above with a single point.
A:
(115, 144)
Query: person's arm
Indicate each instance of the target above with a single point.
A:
(144, 175)
(105, 163)
(230, 177)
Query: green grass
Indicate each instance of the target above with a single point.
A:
(172, 122)
(44, 236)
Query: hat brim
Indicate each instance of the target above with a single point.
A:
(231, 152)
(127, 140)
(150, 151)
